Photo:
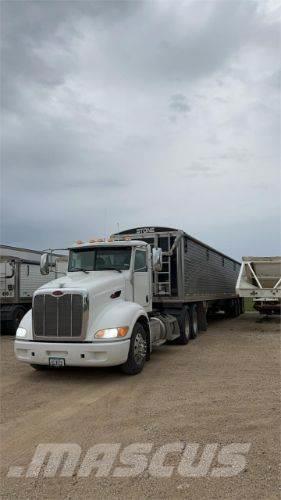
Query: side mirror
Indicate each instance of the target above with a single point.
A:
(45, 264)
(157, 259)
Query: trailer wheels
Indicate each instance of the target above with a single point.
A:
(237, 308)
(233, 309)
(137, 352)
(185, 329)
(194, 321)
(18, 314)
(242, 306)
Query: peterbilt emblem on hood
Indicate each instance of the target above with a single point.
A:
(57, 293)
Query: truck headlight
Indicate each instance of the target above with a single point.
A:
(112, 333)
(21, 333)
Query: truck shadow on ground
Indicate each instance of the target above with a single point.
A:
(103, 373)
(77, 373)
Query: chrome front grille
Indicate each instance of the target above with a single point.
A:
(57, 317)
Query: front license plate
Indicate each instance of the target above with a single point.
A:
(57, 362)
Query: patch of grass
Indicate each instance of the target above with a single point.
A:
(248, 304)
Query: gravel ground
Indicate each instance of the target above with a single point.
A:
(221, 388)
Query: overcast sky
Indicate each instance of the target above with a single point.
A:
(141, 113)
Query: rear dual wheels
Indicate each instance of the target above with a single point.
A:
(137, 352)
(242, 306)
(184, 325)
(188, 323)
(236, 308)
(194, 321)
(233, 309)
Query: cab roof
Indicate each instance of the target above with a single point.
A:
(115, 243)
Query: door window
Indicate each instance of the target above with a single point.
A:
(140, 261)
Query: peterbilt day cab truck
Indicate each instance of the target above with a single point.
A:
(122, 297)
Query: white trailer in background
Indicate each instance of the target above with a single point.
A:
(19, 278)
(260, 279)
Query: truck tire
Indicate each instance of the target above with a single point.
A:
(237, 307)
(194, 321)
(202, 316)
(137, 351)
(242, 306)
(233, 308)
(185, 330)
(18, 314)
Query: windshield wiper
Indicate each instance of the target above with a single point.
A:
(109, 269)
(79, 269)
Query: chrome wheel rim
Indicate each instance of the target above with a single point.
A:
(139, 348)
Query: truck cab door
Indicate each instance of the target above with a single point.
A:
(142, 279)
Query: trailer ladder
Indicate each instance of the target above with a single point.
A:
(163, 286)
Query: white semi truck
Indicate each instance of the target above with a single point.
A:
(19, 278)
(122, 297)
(260, 279)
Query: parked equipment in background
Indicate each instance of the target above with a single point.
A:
(123, 297)
(20, 276)
(260, 279)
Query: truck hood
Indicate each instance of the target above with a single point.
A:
(93, 281)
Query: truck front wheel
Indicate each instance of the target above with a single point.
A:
(137, 352)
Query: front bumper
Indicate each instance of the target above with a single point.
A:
(76, 354)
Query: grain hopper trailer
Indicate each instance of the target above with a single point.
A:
(260, 279)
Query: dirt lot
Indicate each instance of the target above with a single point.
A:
(221, 388)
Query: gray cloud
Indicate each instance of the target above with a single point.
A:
(178, 104)
(86, 143)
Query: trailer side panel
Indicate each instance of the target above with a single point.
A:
(207, 272)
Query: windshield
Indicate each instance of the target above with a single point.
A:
(99, 259)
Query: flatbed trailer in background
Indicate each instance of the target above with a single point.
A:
(19, 278)
(260, 279)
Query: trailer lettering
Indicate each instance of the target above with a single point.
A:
(144, 230)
